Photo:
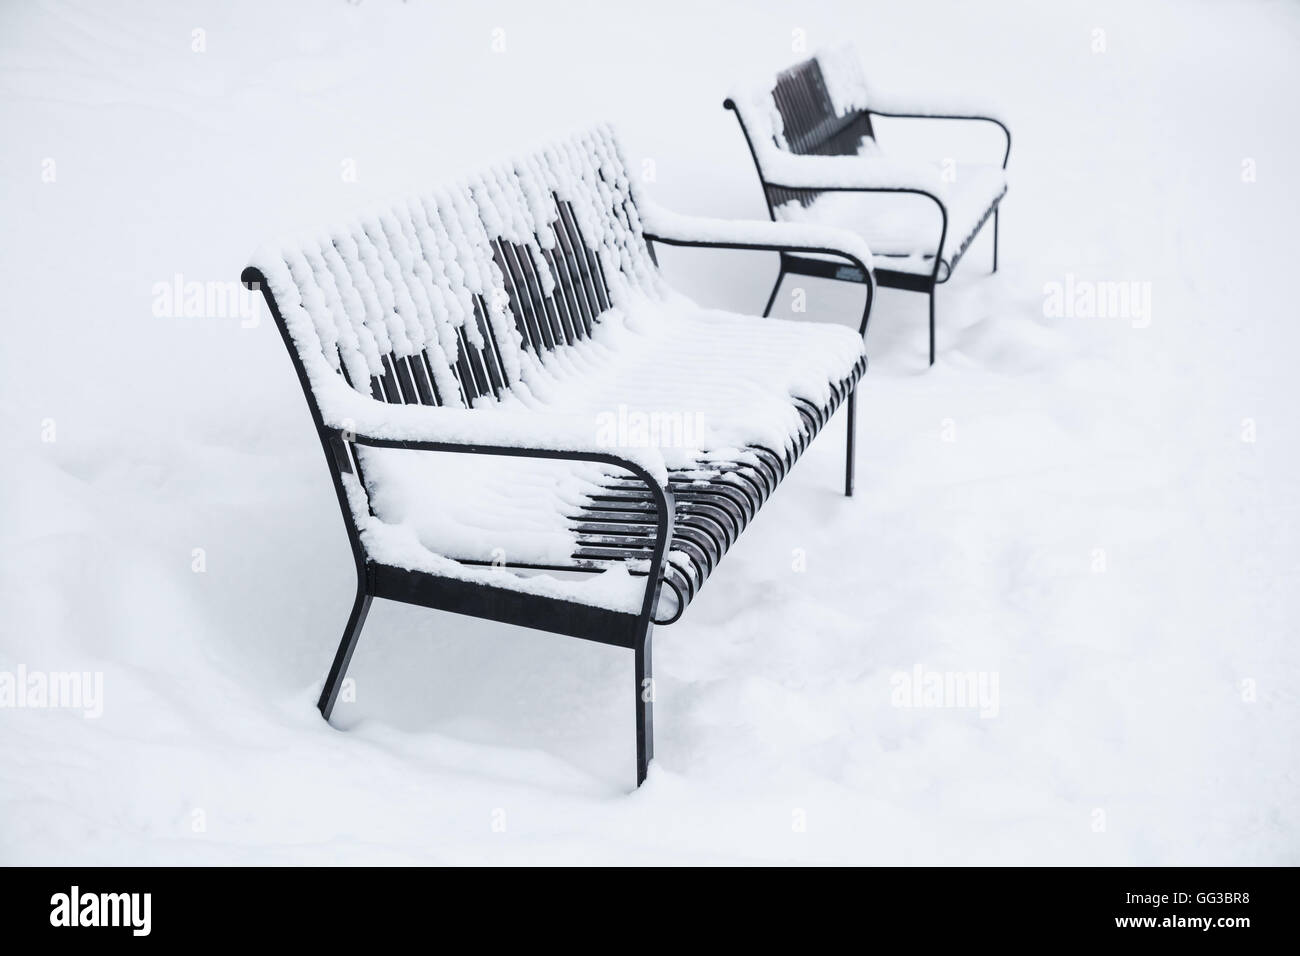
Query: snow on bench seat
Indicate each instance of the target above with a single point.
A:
(904, 238)
(700, 387)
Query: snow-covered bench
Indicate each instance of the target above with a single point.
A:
(524, 423)
(813, 144)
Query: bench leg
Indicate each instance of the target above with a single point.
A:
(780, 277)
(330, 693)
(848, 451)
(931, 325)
(995, 239)
(645, 691)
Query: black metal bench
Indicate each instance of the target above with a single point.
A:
(793, 126)
(485, 321)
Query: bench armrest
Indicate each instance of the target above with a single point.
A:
(856, 174)
(516, 434)
(902, 108)
(403, 431)
(950, 106)
(657, 484)
(849, 174)
(664, 504)
(674, 229)
(551, 443)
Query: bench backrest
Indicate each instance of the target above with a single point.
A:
(812, 123)
(446, 298)
(814, 107)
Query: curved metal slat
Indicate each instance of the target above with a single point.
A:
(715, 501)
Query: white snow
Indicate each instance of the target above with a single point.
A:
(1099, 507)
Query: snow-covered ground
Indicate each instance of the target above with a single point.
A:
(1102, 513)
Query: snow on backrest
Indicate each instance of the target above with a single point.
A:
(815, 121)
(817, 107)
(438, 299)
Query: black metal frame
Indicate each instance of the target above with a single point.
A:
(679, 514)
(477, 599)
(829, 128)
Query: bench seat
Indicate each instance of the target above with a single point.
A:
(901, 229)
(729, 401)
